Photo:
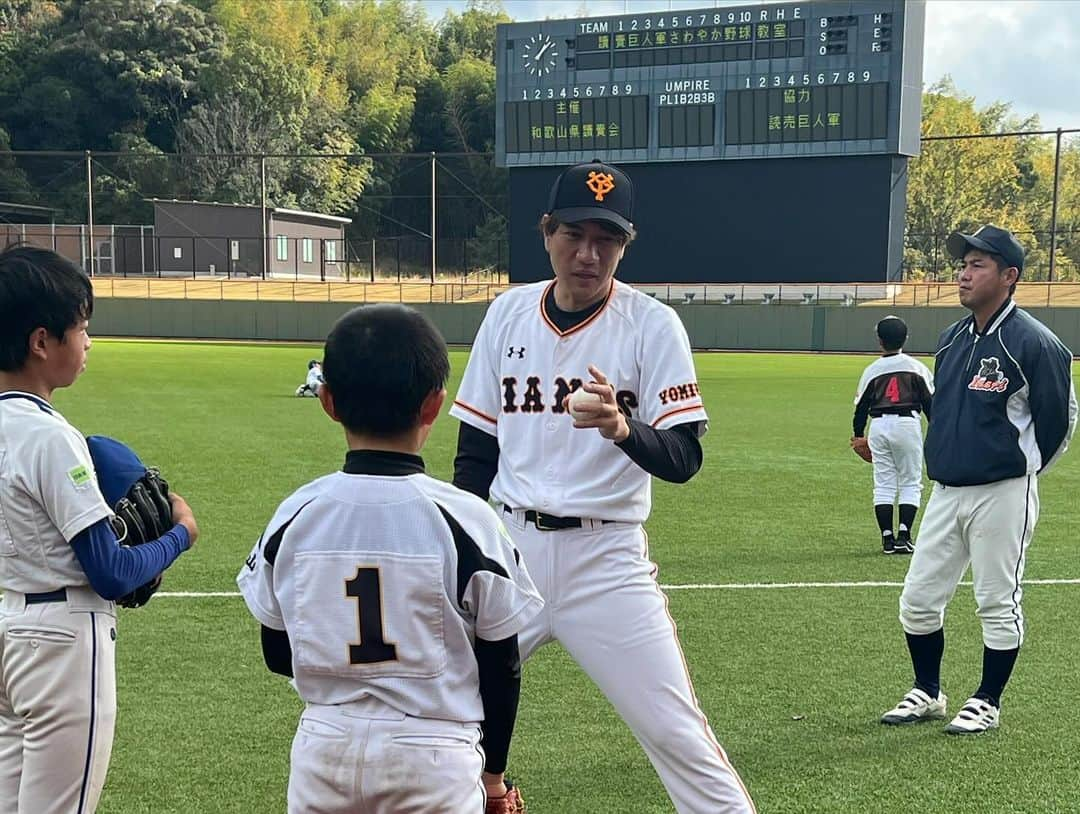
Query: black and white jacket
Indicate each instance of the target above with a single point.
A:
(1004, 403)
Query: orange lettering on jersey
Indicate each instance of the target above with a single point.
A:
(533, 399)
(509, 394)
(681, 392)
(562, 390)
(626, 401)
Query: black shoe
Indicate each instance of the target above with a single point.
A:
(888, 546)
(903, 544)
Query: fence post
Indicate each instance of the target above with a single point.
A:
(262, 207)
(90, 208)
(372, 259)
(433, 243)
(1054, 211)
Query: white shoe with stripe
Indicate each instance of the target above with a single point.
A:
(916, 706)
(975, 716)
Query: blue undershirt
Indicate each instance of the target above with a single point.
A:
(115, 570)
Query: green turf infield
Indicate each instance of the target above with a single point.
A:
(793, 679)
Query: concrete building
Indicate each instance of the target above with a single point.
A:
(195, 238)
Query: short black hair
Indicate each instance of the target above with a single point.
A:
(892, 331)
(38, 289)
(549, 225)
(380, 363)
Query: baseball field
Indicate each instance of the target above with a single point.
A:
(770, 558)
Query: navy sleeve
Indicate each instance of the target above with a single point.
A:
(1050, 382)
(477, 460)
(673, 454)
(115, 570)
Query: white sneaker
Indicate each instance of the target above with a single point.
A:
(975, 716)
(916, 706)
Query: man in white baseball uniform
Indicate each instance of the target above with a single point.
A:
(1004, 411)
(393, 599)
(313, 381)
(61, 566)
(892, 391)
(576, 491)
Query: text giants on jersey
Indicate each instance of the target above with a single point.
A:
(532, 400)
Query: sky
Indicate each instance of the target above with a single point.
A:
(1026, 52)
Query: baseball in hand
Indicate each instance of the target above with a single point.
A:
(578, 398)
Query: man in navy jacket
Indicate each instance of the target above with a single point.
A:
(1004, 411)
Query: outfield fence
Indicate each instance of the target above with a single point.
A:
(465, 290)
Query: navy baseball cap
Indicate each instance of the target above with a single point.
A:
(988, 239)
(593, 191)
(117, 465)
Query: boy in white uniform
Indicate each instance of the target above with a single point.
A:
(393, 599)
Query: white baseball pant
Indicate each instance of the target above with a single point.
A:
(57, 702)
(989, 526)
(897, 446)
(602, 603)
(369, 757)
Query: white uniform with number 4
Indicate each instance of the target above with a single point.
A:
(602, 600)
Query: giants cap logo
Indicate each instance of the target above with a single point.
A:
(989, 379)
(601, 183)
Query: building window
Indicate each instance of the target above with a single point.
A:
(309, 255)
(331, 251)
(234, 249)
(282, 247)
(177, 253)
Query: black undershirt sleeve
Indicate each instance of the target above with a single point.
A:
(500, 687)
(862, 412)
(277, 652)
(673, 455)
(477, 460)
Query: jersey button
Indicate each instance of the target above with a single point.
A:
(551, 425)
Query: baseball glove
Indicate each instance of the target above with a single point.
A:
(862, 448)
(142, 515)
(510, 803)
(139, 498)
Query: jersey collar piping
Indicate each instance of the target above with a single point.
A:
(42, 405)
(581, 325)
(378, 462)
(1003, 313)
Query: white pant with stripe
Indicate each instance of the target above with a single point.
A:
(602, 603)
(988, 526)
(57, 702)
(897, 446)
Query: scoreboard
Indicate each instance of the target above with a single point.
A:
(822, 99)
(762, 81)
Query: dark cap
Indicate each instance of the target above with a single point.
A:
(988, 239)
(593, 191)
(892, 331)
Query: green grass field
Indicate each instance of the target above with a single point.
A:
(792, 679)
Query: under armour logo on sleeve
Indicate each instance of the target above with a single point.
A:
(511, 351)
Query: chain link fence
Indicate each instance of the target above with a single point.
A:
(443, 218)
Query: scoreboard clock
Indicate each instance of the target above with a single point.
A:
(785, 125)
(763, 81)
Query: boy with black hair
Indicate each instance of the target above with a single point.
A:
(393, 599)
(893, 390)
(61, 566)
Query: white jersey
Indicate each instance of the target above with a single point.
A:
(314, 377)
(895, 383)
(521, 368)
(383, 577)
(48, 494)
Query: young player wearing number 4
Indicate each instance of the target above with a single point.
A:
(394, 600)
(893, 391)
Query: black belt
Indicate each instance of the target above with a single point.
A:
(901, 414)
(549, 522)
(59, 595)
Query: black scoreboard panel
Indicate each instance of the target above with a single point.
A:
(819, 220)
(777, 80)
